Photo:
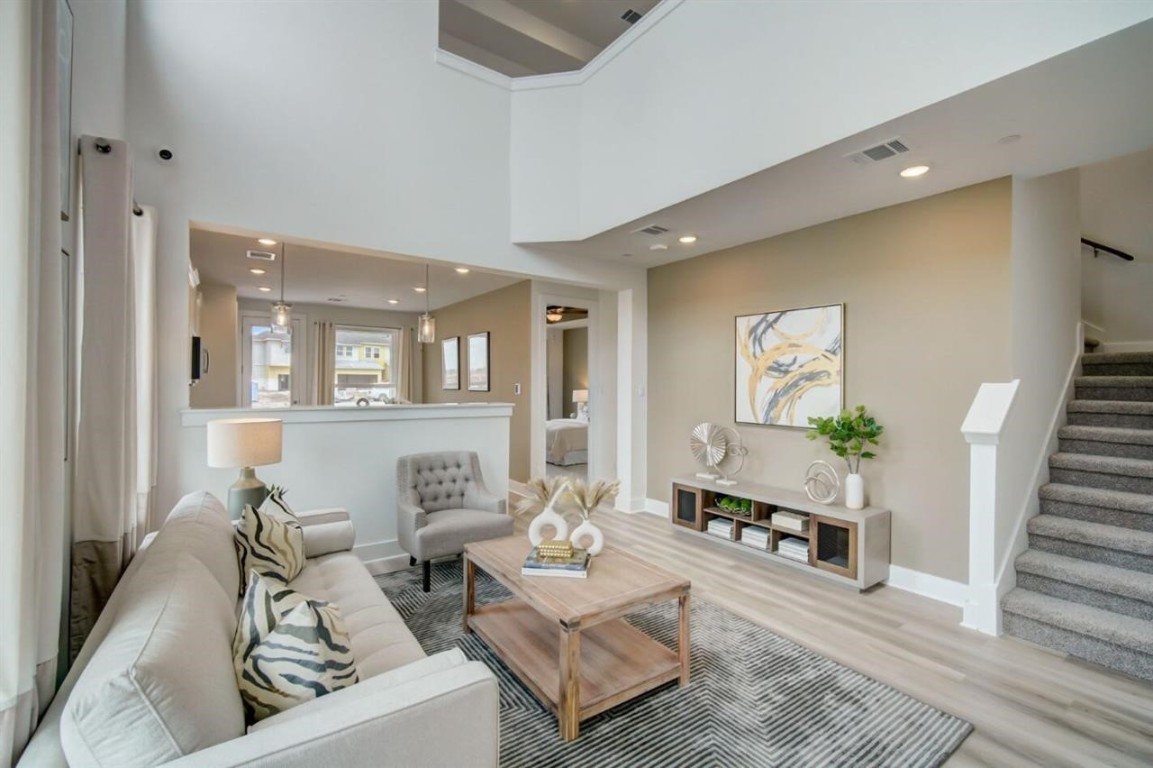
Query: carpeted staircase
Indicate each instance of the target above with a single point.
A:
(1085, 585)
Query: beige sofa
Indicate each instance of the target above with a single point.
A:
(154, 683)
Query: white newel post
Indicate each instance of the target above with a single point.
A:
(982, 429)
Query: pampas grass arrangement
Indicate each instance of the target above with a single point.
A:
(588, 497)
(542, 492)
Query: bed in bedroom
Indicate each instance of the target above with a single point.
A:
(567, 441)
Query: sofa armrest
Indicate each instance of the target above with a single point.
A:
(351, 727)
(326, 538)
(477, 498)
(320, 516)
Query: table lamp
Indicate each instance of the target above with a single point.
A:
(581, 398)
(244, 443)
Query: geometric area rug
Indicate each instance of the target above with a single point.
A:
(754, 699)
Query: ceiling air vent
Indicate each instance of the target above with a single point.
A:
(878, 153)
(631, 16)
(262, 255)
(651, 229)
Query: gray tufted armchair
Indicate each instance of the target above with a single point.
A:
(442, 505)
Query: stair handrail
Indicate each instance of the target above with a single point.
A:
(1096, 246)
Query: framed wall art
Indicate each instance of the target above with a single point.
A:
(450, 363)
(478, 359)
(789, 366)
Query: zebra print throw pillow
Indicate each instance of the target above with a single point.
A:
(288, 649)
(271, 543)
(274, 502)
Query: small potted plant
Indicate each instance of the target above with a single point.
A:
(849, 435)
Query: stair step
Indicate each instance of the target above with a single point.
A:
(1083, 581)
(1107, 441)
(1106, 544)
(1133, 414)
(1124, 643)
(1114, 387)
(1117, 364)
(1097, 505)
(1109, 472)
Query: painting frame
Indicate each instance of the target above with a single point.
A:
(806, 347)
(450, 363)
(479, 377)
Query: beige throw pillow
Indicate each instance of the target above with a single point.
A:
(288, 649)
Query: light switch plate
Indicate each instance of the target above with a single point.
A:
(516, 389)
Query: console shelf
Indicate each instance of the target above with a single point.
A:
(847, 546)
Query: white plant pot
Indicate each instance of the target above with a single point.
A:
(586, 530)
(855, 491)
(549, 517)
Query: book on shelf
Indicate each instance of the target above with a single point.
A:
(792, 521)
(575, 565)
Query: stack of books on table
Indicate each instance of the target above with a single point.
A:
(791, 521)
(794, 549)
(721, 528)
(754, 536)
(551, 562)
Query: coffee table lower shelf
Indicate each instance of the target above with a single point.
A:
(617, 661)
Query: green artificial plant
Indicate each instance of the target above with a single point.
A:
(849, 434)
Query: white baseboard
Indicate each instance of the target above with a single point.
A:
(517, 487)
(381, 556)
(1126, 346)
(928, 585)
(654, 507)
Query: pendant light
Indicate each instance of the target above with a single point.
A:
(426, 330)
(282, 312)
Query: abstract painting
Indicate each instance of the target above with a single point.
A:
(789, 366)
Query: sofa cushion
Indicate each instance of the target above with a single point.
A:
(380, 639)
(288, 649)
(271, 543)
(160, 685)
(199, 526)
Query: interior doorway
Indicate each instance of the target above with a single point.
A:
(569, 409)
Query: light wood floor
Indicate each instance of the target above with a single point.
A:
(1028, 705)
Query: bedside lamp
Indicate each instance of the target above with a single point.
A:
(581, 398)
(244, 444)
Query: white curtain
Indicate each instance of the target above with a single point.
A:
(144, 267)
(325, 388)
(32, 389)
(106, 524)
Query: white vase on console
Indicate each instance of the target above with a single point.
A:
(548, 517)
(855, 491)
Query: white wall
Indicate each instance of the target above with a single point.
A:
(1046, 312)
(717, 91)
(1117, 209)
(322, 121)
(347, 458)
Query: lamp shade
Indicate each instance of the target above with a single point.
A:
(244, 442)
(580, 395)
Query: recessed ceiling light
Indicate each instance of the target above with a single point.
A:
(394, 301)
(264, 289)
(462, 270)
(688, 239)
(266, 241)
(420, 289)
(1012, 138)
(913, 171)
(658, 247)
(256, 271)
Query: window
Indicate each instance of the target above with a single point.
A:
(367, 379)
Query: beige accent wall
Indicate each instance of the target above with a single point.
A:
(507, 315)
(220, 336)
(576, 366)
(926, 287)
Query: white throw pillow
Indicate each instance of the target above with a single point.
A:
(288, 649)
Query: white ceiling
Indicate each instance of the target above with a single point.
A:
(1082, 107)
(533, 37)
(316, 274)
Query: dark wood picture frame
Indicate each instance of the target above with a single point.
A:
(479, 359)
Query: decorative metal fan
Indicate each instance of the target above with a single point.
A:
(720, 450)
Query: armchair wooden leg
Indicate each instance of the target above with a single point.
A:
(411, 561)
(427, 573)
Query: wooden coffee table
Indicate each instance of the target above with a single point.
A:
(565, 638)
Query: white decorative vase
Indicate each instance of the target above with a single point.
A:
(548, 517)
(855, 491)
(587, 530)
